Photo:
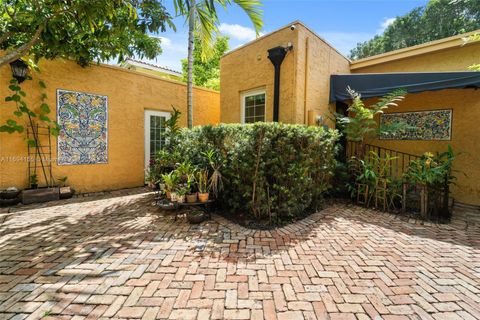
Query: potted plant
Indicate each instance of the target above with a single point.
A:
(150, 176)
(216, 179)
(180, 194)
(203, 186)
(191, 195)
(170, 180)
(65, 191)
(195, 216)
(33, 181)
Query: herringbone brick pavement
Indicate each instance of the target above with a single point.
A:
(120, 257)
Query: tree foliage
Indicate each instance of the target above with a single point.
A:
(203, 21)
(206, 72)
(438, 19)
(207, 20)
(83, 30)
(360, 124)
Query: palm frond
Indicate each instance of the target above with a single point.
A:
(253, 11)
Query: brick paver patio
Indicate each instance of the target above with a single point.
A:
(120, 257)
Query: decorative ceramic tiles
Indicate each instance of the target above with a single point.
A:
(82, 118)
(421, 125)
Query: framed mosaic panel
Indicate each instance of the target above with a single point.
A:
(83, 137)
(420, 125)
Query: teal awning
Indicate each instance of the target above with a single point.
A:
(371, 85)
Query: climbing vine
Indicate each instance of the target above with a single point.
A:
(25, 116)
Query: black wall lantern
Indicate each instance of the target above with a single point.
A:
(276, 56)
(19, 70)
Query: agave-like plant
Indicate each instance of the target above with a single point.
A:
(216, 179)
(202, 181)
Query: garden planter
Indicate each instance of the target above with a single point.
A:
(9, 194)
(203, 197)
(40, 195)
(168, 195)
(195, 217)
(180, 198)
(172, 196)
(192, 198)
(66, 192)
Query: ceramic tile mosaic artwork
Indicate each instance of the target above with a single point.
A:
(82, 118)
(422, 125)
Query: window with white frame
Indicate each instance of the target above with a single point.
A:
(253, 106)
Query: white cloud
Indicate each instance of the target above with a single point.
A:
(237, 32)
(345, 41)
(166, 42)
(385, 23)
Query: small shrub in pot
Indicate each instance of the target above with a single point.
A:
(203, 186)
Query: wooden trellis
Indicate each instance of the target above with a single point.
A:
(40, 155)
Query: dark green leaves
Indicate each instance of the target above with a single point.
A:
(438, 19)
(25, 113)
(45, 108)
(361, 124)
(11, 126)
(206, 72)
(84, 30)
(271, 171)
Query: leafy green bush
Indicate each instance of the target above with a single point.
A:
(432, 170)
(271, 171)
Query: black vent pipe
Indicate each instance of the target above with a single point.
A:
(276, 56)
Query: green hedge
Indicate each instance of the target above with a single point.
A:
(270, 171)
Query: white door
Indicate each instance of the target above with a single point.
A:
(154, 133)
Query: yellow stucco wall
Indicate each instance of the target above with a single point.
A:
(249, 68)
(465, 104)
(305, 75)
(129, 94)
(316, 61)
(466, 114)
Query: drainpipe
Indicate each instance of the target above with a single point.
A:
(276, 56)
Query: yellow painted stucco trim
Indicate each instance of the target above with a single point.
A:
(429, 47)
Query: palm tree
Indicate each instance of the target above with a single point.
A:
(203, 22)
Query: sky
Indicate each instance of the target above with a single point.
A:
(343, 23)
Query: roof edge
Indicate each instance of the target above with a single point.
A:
(280, 29)
(323, 40)
(151, 66)
(148, 75)
(428, 47)
(260, 38)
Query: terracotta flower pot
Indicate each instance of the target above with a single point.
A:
(191, 198)
(168, 195)
(203, 197)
